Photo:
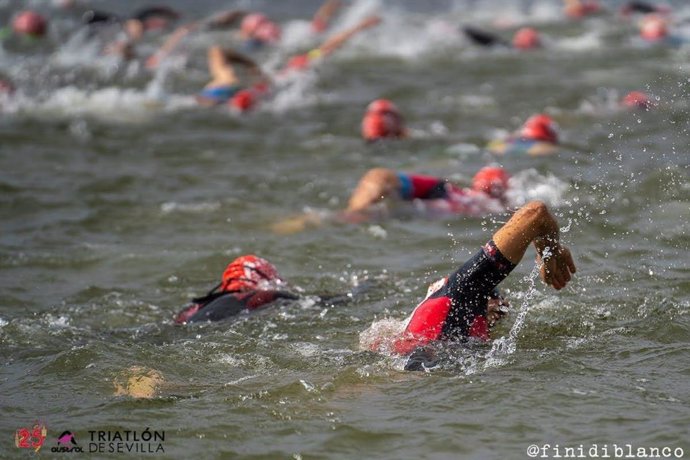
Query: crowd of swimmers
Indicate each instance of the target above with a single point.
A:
(466, 303)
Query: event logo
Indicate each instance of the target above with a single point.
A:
(67, 442)
(127, 441)
(31, 438)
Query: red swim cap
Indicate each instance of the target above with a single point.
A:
(653, 27)
(243, 100)
(382, 105)
(637, 100)
(248, 272)
(30, 23)
(491, 180)
(268, 31)
(540, 128)
(526, 38)
(581, 8)
(298, 62)
(6, 87)
(379, 125)
(251, 23)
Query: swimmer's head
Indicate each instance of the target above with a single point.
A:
(540, 127)
(251, 23)
(30, 23)
(492, 180)
(636, 100)
(249, 272)
(382, 105)
(526, 38)
(6, 87)
(242, 100)
(382, 120)
(268, 32)
(653, 27)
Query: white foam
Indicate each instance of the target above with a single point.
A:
(192, 208)
(529, 185)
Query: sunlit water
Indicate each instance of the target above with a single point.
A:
(120, 200)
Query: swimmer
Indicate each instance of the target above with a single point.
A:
(225, 84)
(654, 30)
(537, 137)
(304, 61)
(382, 120)
(578, 9)
(248, 282)
(464, 304)
(132, 29)
(643, 8)
(432, 196)
(637, 100)
(526, 38)
(218, 21)
(257, 30)
(30, 24)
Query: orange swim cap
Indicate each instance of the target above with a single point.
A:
(540, 128)
(491, 180)
(526, 38)
(636, 100)
(248, 272)
(30, 23)
(653, 27)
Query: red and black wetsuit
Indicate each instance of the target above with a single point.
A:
(456, 306)
(220, 305)
(441, 197)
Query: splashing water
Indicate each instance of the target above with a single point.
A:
(503, 347)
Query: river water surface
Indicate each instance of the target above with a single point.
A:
(120, 200)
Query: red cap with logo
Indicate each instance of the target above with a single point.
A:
(248, 272)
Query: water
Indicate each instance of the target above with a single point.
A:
(121, 200)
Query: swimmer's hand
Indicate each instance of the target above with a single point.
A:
(556, 263)
(138, 382)
(296, 224)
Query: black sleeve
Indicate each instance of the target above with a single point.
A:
(472, 284)
(220, 308)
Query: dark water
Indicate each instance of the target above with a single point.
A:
(120, 200)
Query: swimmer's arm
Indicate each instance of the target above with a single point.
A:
(220, 69)
(170, 44)
(224, 19)
(338, 40)
(326, 12)
(533, 223)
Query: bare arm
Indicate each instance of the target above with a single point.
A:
(325, 13)
(224, 19)
(534, 223)
(338, 40)
(170, 44)
(220, 69)
(374, 186)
